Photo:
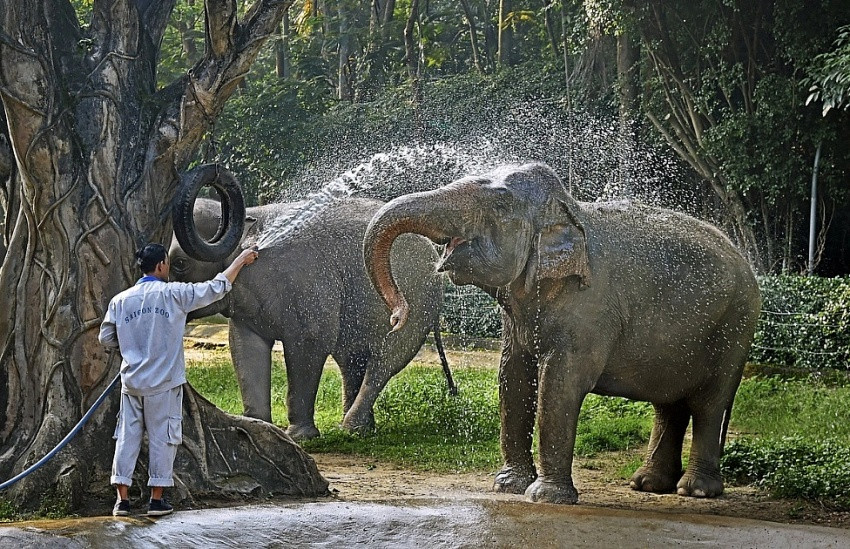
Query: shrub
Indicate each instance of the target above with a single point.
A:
(805, 322)
(792, 467)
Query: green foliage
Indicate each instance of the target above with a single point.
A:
(796, 439)
(829, 78)
(727, 86)
(792, 467)
(8, 511)
(805, 322)
(274, 131)
(259, 133)
(50, 507)
(609, 424)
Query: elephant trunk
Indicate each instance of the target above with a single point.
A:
(413, 213)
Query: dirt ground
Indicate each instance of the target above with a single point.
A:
(354, 478)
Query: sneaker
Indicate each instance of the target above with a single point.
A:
(159, 507)
(122, 508)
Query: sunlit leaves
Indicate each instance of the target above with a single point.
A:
(830, 75)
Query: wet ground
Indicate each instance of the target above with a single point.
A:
(380, 505)
(421, 523)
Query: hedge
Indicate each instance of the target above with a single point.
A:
(805, 321)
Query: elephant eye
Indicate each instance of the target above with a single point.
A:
(502, 199)
(179, 264)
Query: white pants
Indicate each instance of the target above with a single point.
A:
(161, 415)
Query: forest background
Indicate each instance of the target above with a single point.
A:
(717, 107)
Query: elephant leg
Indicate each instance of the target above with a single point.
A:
(663, 465)
(353, 368)
(711, 409)
(361, 416)
(252, 360)
(518, 405)
(305, 360)
(564, 382)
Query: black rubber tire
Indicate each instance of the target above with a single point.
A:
(229, 232)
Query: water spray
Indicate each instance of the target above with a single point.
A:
(398, 162)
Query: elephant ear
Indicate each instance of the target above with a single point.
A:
(560, 248)
(249, 222)
(250, 235)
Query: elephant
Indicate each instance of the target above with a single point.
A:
(614, 298)
(310, 291)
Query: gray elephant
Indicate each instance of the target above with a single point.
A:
(311, 292)
(612, 298)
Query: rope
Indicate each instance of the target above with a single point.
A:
(67, 438)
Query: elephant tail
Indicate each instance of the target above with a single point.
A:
(438, 341)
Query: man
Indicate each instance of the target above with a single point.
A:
(146, 323)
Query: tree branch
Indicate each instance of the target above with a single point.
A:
(221, 26)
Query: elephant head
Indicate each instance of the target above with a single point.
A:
(186, 268)
(516, 224)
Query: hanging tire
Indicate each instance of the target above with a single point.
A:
(232, 221)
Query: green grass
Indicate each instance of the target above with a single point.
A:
(794, 438)
(421, 426)
(776, 407)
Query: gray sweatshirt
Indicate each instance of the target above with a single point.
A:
(146, 322)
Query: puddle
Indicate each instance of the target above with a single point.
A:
(419, 523)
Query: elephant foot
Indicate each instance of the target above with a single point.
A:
(700, 485)
(302, 432)
(544, 491)
(654, 479)
(514, 480)
(359, 425)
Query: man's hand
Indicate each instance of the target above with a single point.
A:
(247, 257)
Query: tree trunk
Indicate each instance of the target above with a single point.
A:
(282, 63)
(551, 31)
(98, 150)
(628, 70)
(412, 52)
(506, 33)
(685, 123)
(372, 68)
(473, 35)
(345, 65)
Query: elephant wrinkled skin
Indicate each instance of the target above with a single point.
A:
(311, 292)
(614, 298)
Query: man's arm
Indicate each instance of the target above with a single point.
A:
(108, 335)
(191, 297)
(245, 258)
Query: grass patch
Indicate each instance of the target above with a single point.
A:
(793, 467)
(793, 442)
(419, 425)
(795, 439)
(50, 507)
(776, 407)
